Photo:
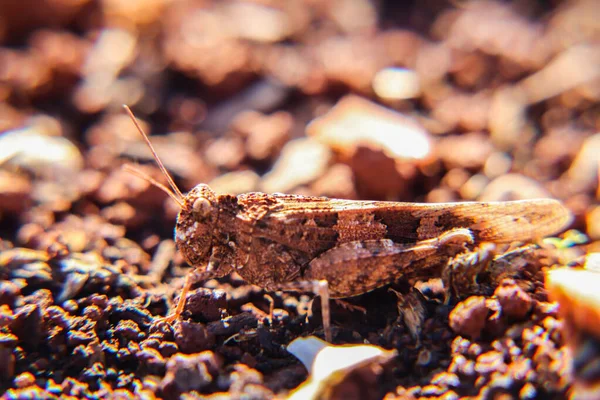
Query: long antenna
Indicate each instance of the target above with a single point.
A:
(176, 190)
(143, 175)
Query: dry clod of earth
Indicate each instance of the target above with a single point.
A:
(415, 102)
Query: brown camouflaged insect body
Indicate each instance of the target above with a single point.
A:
(274, 239)
(337, 248)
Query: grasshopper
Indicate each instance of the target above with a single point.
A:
(333, 247)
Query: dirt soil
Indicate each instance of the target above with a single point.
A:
(424, 101)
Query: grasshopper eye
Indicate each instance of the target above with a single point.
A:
(202, 206)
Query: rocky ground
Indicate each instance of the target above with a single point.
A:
(428, 101)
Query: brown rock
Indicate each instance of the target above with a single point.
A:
(27, 324)
(151, 360)
(265, 134)
(8, 293)
(190, 372)
(15, 192)
(490, 362)
(375, 139)
(514, 302)
(469, 317)
(301, 161)
(206, 303)
(193, 337)
(576, 291)
(513, 187)
(7, 357)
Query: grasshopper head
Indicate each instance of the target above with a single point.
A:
(195, 225)
(197, 220)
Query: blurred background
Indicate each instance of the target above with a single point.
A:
(428, 101)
